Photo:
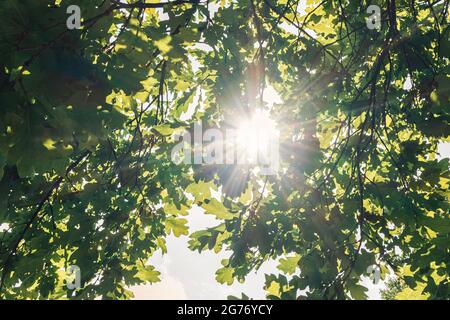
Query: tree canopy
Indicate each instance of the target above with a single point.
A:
(90, 117)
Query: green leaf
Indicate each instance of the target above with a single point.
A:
(289, 265)
(225, 275)
(148, 274)
(177, 226)
(164, 44)
(358, 292)
(217, 209)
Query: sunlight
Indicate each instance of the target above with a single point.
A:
(254, 136)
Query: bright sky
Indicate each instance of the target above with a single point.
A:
(190, 275)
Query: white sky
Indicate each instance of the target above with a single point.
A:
(191, 275)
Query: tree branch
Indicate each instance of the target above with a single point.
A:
(55, 186)
(151, 5)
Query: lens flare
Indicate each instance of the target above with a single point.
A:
(254, 136)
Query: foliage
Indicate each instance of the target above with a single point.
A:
(393, 287)
(89, 117)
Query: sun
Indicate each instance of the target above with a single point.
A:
(254, 137)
